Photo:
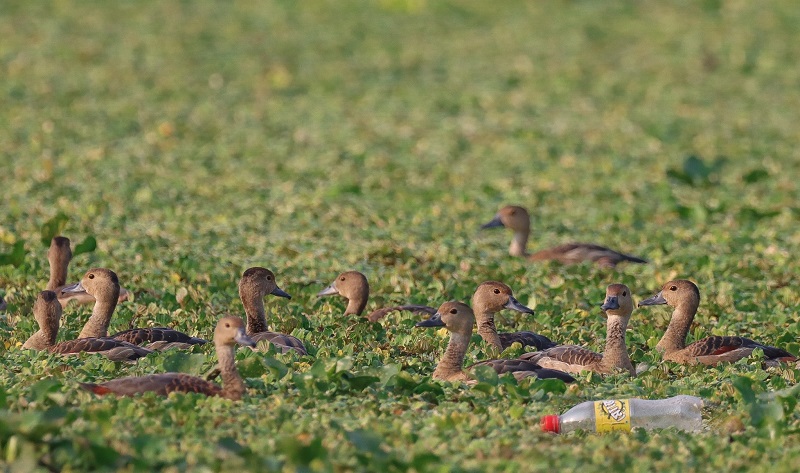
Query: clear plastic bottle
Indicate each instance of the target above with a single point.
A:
(682, 412)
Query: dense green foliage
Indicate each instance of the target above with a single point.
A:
(195, 139)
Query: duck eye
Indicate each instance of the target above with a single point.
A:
(497, 291)
(673, 288)
(453, 311)
(227, 325)
(91, 276)
(624, 293)
(341, 279)
(269, 278)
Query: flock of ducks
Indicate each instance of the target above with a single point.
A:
(101, 287)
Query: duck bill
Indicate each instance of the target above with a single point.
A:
(77, 287)
(328, 291)
(242, 339)
(514, 304)
(658, 299)
(434, 321)
(494, 223)
(280, 293)
(611, 303)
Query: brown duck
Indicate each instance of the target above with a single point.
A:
(47, 311)
(458, 319)
(59, 255)
(103, 286)
(257, 283)
(684, 297)
(229, 332)
(353, 286)
(517, 219)
(618, 307)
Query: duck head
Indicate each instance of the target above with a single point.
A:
(456, 317)
(101, 283)
(230, 331)
(353, 286)
(675, 293)
(511, 216)
(259, 282)
(494, 296)
(618, 301)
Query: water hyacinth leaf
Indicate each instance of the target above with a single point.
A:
(88, 245)
(53, 227)
(15, 257)
(179, 362)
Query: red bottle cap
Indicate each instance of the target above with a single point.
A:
(550, 424)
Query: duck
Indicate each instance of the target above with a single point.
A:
(618, 307)
(684, 297)
(59, 256)
(353, 286)
(102, 285)
(228, 332)
(517, 219)
(458, 318)
(489, 298)
(47, 311)
(255, 284)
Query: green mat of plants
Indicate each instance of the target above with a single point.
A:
(180, 143)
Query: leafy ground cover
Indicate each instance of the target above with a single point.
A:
(183, 142)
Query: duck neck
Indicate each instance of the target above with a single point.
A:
(233, 385)
(256, 314)
(675, 336)
(452, 361)
(97, 325)
(486, 327)
(42, 339)
(58, 275)
(519, 243)
(356, 305)
(615, 354)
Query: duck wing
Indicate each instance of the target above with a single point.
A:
(529, 339)
(719, 345)
(572, 253)
(116, 350)
(417, 309)
(523, 369)
(158, 338)
(285, 343)
(567, 354)
(161, 384)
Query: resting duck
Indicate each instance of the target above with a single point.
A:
(229, 332)
(47, 311)
(257, 283)
(353, 286)
(618, 308)
(103, 286)
(684, 297)
(59, 255)
(518, 220)
(458, 319)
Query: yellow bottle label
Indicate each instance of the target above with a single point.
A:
(612, 415)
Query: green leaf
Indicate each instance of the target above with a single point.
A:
(53, 227)
(88, 245)
(364, 441)
(180, 362)
(15, 257)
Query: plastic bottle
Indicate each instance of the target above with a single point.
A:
(681, 412)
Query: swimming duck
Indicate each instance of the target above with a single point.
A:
(103, 286)
(458, 319)
(618, 307)
(229, 332)
(489, 298)
(47, 311)
(59, 255)
(517, 219)
(684, 297)
(353, 286)
(255, 284)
